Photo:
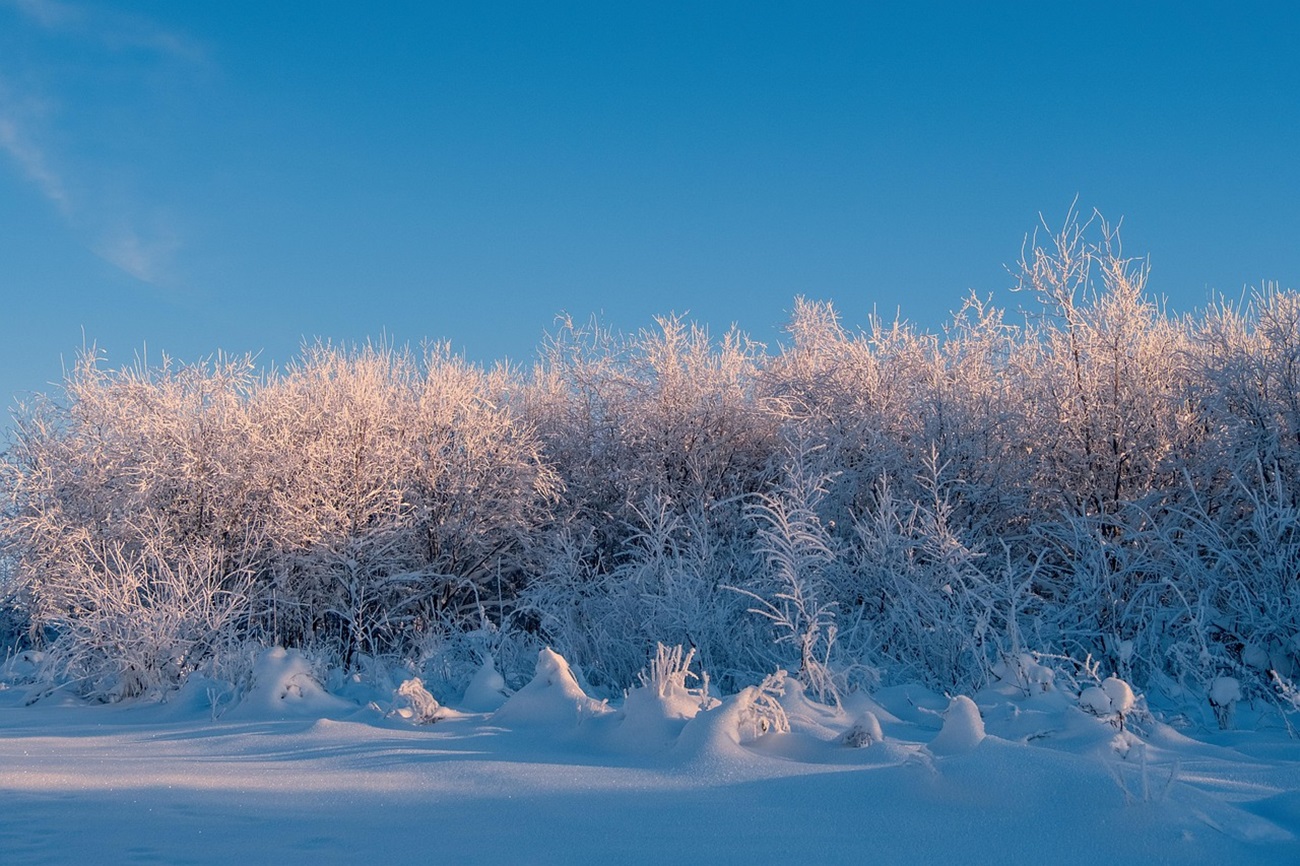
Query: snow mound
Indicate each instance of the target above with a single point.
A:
(552, 697)
(1120, 694)
(200, 697)
(1255, 656)
(807, 715)
(963, 728)
(718, 732)
(864, 731)
(650, 721)
(487, 689)
(724, 730)
(283, 685)
(1094, 700)
(654, 714)
(21, 668)
(653, 720)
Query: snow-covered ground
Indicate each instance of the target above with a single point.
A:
(291, 772)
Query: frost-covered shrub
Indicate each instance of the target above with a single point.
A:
(1025, 673)
(405, 488)
(1103, 487)
(757, 708)
(793, 587)
(1225, 692)
(655, 712)
(668, 675)
(667, 585)
(921, 594)
(667, 416)
(452, 656)
(136, 623)
(352, 503)
(864, 731)
(1111, 699)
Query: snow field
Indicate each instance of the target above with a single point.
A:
(292, 771)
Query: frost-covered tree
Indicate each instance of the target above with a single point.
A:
(1105, 483)
(127, 533)
(354, 501)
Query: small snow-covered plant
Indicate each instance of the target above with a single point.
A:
(1069, 674)
(760, 708)
(1024, 672)
(1224, 694)
(1287, 690)
(413, 702)
(1112, 700)
(668, 672)
(1286, 695)
(1122, 699)
(963, 727)
(1142, 790)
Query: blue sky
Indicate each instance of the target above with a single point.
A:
(240, 175)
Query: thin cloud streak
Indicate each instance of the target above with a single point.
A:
(33, 163)
(110, 228)
(145, 259)
(50, 14)
(113, 30)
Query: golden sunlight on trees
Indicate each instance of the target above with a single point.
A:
(1101, 483)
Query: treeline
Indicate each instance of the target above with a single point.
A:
(1102, 484)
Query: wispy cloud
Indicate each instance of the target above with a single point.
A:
(32, 161)
(145, 257)
(31, 123)
(48, 13)
(110, 28)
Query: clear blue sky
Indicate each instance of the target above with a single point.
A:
(240, 175)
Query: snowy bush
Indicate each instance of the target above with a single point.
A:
(404, 490)
(1111, 699)
(1103, 487)
(353, 503)
(669, 673)
(667, 585)
(797, 552)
